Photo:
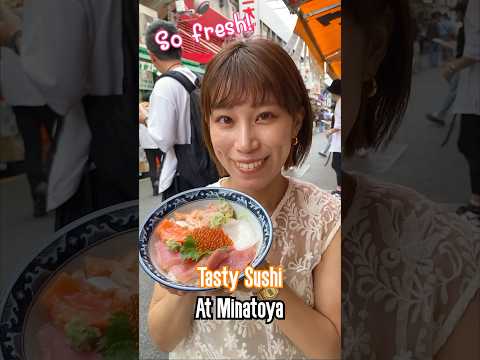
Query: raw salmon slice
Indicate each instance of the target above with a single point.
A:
(169, 230)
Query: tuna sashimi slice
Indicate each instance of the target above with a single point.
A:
(54, 346)
(166, 258)
(216, 258)
(233, 259)
(239, 259)
(185, 272)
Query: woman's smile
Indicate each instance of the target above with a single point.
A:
(252, 146)
(250, 166)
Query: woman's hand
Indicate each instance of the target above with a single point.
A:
(331, 131)
(142, 113)
(454, 66)
(448, 70)
(303, 323)
(170, 316)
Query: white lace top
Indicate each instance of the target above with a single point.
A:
(409, 270)
(304, 222)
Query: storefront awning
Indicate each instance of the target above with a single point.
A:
(319, 25)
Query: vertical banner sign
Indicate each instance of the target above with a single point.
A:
(249, 8)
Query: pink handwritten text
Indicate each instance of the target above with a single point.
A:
(236, 26)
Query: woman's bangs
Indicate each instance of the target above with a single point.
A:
(238, 82)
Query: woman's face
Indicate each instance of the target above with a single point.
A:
(253, 142)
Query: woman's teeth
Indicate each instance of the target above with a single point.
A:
(249, 166)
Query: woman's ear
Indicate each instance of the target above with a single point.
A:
(297, 122)
(378, 42)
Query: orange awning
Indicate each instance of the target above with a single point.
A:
(319, 25)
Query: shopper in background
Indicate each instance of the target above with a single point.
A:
(432, 34)
(439, 117)
(336, 134)
(35, 120)
(152, 152)
(467, 104)
(174, 120)
(65, 58)
(446, 32)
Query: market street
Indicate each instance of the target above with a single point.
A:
(416, 158)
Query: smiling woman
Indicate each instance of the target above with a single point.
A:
(245, 98)
(254, 127)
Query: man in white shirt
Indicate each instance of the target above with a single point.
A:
(169, 122)
(80, 65)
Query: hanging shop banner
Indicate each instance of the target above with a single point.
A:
(319, 25)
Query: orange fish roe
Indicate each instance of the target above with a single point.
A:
(208, 239)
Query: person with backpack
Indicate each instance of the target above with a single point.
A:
(174, 120)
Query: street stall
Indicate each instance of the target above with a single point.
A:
(319, 25)
(319, 29)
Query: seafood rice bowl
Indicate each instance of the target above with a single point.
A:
(212, 227)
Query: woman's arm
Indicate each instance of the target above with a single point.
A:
(463, 342)
(457, 65)
(333, 131)
(316, 331)
(170, 317)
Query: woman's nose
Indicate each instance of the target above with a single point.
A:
(247, 140)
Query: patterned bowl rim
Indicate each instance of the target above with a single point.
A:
(8, 349)
(145, 234)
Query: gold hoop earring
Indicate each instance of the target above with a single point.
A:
(373, 88)
(295, 141)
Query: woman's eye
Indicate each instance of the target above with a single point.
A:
(266, 116)
(224, 120)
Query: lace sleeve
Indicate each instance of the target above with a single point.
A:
(457, 262)
(327, 211)
(332, 226)
(409, 271)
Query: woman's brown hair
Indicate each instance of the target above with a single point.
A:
(256, 70)
(380, 116)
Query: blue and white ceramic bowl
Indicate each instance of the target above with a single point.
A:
(108, 233)
(200, 198)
